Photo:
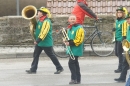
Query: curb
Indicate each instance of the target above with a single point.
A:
(30, 55)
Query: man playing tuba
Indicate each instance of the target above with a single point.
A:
(44, 41)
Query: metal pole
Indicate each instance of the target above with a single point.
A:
(17, 7)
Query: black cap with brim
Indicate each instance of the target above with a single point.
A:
(120, 9)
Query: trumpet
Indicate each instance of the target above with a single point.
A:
(126, 47)
(67, 47)
(29, 12)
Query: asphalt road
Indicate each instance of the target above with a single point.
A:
(95, 71)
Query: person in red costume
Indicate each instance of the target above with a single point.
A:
(81, 9)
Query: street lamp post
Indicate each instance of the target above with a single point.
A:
(17, 7)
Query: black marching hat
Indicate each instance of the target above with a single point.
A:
(120, 9)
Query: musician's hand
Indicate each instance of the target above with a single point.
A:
(123, 38)
(67, 43)
(113, 29)
(35, 42)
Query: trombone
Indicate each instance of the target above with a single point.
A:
(67, 47)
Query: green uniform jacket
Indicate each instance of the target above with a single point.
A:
(76, 33)
(128, 34)
(44, 32)
(121, 28)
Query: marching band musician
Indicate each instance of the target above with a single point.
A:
(128, 38)
(44, 41)
(76, 37)
(120, 35)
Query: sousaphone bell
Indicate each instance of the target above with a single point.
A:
(126, 47)
(29, 12)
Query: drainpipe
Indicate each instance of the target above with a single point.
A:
(17, 7)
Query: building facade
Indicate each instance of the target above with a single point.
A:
(100, 7)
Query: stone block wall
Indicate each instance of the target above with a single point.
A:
(14, 30)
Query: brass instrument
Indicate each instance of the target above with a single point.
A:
(126, 47)
(67, 47)
(29, 12)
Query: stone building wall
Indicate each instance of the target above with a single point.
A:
(14, 30)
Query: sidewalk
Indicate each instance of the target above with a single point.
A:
(16, 52)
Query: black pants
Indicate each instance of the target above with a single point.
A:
(74, 69)
(49, 52)
(118, 53)
(124, 69)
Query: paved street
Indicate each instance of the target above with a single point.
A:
(96, 71)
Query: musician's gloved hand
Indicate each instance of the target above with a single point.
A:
(113, 29)
(35, 42)
(71, 42)
(124, 37)
(38, 40)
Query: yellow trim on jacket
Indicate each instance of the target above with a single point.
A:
(124, 28)
(44, 30)
(79, 37)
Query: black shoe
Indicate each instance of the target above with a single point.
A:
(59, 71)
(118, 71)
(73, 82)
(30, 72)
(119, 80)
(78, 82)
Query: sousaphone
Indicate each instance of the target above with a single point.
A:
(29, 12)
(126, 47)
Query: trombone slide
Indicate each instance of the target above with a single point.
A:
(67, 47)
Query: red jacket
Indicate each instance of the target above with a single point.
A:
(80, 10)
